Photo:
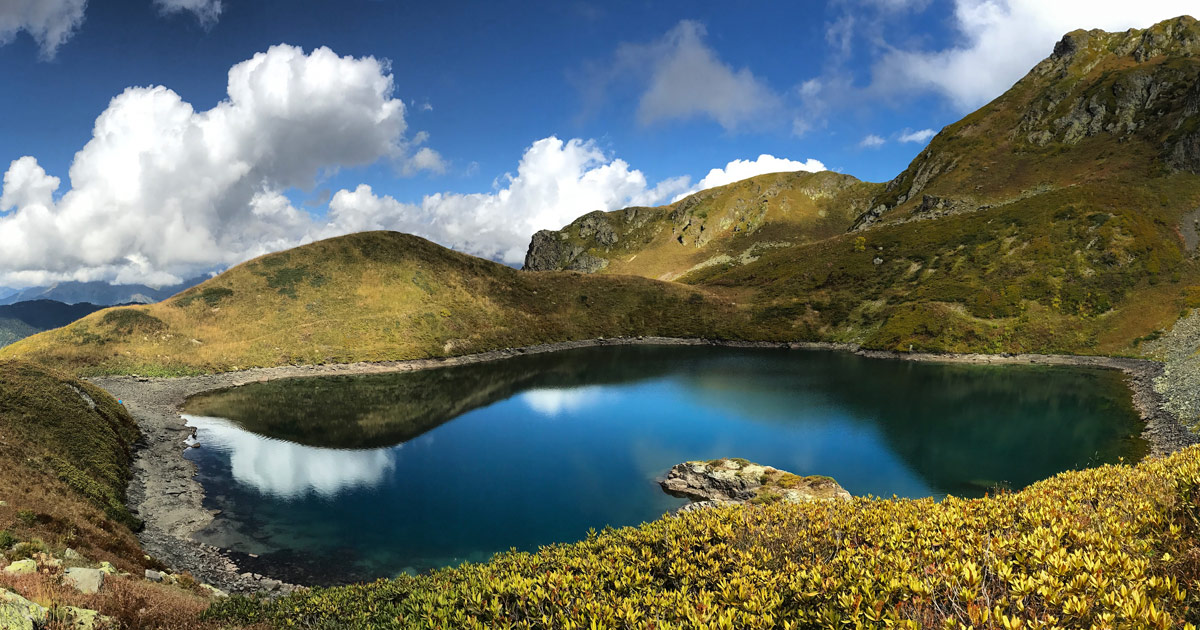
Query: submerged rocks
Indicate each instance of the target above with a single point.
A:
(735, 480)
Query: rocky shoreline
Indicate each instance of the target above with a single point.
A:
(166, 496)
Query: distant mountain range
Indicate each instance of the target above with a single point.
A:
(21, 320)
(100, 293)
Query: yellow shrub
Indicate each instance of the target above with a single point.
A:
(1110, 547)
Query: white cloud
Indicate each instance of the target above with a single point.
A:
(163, 191)
(872, 141)
(684, 78)
(288, 470)
(425, 159)
(206, 11)
(1002, 39)
(163, 188)
(738, 170)
(921, 136)
(49, 22)
(556, 182)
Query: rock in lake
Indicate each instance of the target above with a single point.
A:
(735, 480)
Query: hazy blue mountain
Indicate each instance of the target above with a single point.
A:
(101, 293)
(23, 319)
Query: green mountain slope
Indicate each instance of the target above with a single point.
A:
(1061, 217)
(373, 296)
(728, 225)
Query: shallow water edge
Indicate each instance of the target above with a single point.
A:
(166, 496)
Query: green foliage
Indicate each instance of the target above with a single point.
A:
(28, 518)
(7, 539)
(130, 320)
(1112, 547)
(211, 296)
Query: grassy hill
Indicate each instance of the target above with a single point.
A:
(1061, 217)
(371, 297)
(723, 226)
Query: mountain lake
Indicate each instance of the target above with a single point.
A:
(333, 479)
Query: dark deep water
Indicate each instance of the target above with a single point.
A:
(343, 478)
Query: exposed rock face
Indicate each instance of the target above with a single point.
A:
(725, 481)
(550, 251)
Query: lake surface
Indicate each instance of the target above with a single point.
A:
(343, 478)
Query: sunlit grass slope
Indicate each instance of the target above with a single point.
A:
(65, 451)
(1111, 547)
(370, 297)
(727, 225)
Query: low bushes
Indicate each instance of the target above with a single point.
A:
(1110, 547)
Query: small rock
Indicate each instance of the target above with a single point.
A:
(3, 503)
(86, 581)
(21, 567)
(154, 576)
(71, 554)
(214, 591)
(107, 567)
(84, 619)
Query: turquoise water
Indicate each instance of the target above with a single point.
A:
(335, 479)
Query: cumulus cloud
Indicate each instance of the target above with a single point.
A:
(206, 11)
(162, 189)
(555, 183)
(1000, 40)
(921, 136)
(738, 170)
(49, 22)
(871, 141)
(681, 77)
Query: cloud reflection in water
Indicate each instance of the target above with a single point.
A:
(287, 470)
(555, 401)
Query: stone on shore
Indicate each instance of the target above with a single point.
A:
(86, 581)
(735, 480)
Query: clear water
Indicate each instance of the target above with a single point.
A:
(335, 479)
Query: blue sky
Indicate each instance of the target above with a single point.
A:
(513, 118)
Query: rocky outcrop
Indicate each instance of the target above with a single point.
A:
(735, 480)
(552, 251)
